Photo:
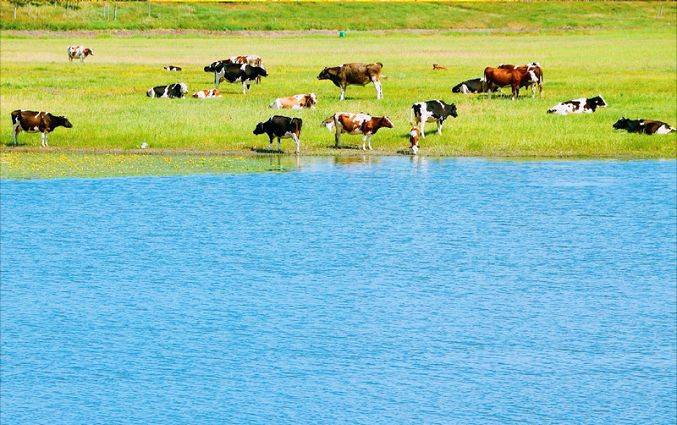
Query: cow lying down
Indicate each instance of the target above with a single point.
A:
(283, 128)
(346, 122)
(473, 86)
(172, 68)
(643, 126)
(207, 94)
(298, 101)
(34, 122)
(578, 106)
(171, 91)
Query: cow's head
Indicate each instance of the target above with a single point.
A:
(214, 66)
(622, 124)
(259, 129)
(327, 73)
(310, 100)
(457, 88)
(451, 110)
(60, 121)
(88, 52)
(414, 136)
(385, 122)
(598, 101)
(261, 71)
(184, 88)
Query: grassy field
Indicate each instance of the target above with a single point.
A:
(532, 15)
(105, 97)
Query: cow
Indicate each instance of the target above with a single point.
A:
(171, 91)
(33, 122)
(283, 128)
(172, 68)
(643, 126)
(235, 73)
(537, 82)
(252, 60)
(578, 106)
(207, 94)
(473, 86)
(79, 52)
(346, 122)
(414, 136)
(298, 101)
(432, 110)
(354, 74)
(438, 67)
(515, 77)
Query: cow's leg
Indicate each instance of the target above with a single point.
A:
(369, 141)
(343, 93)
(43, 139)
(297, 142)
(337, 137)
(270, 142)
(515, 92)
(17, 129)
(439, 126)
(379, 90)
(421, 125)
(279, 145)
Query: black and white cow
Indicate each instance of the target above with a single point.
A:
(578, 106)
(172, 68)
(283, 128)
(432, 110)
(473, 86)
(235, 73)
(643, 126)
(33, 122)
(170, 91)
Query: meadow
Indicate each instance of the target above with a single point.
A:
(105, 97)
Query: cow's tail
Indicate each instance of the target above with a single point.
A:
(330, 123)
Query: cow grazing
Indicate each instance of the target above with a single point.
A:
(207, 94)
(643, 126)
(172, 68)
(438, 67)
(535, 79)
(235, 73)
(354, 74)
(282, 128)
(33, 122)
(473, 86)
(298, 101)
(578, 106)
(432, 110)
(515, 77)
(345, 122)
(171, 91)
(79, 52)
(414, 136)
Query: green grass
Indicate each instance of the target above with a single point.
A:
(534, 15)
(105, 97)
(31, 165)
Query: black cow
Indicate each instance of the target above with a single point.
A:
(235, 73)
(283, 128)
(432, 110)
(473, 86)
(643, 126)
(170, 91)
(33, 122)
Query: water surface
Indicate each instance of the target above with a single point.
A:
(390, 291)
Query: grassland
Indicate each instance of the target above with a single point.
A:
(532, 15)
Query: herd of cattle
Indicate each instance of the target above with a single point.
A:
(249, 69)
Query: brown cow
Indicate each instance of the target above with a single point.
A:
(515, 77)
(33, 122)
(534, 67)
(414, 137)
(354, 74)
(346, 122)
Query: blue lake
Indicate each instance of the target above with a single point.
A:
(384, 291)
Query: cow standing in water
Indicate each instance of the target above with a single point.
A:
(34, 122)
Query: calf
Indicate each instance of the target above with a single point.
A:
(298, 101)
(235, 73)
(79, 52)
(172, 68)
(643, 126)
(171, 91)
(33, 122)
(207, 94)
(345, 122)
(473, 86)
(354, 74)
(414, 136)
(578, 106)
(282, 128)
(432, 110)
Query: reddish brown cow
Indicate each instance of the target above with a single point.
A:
(354, 74)
(510, 76)
(33, 122)
(537, 71)
(346, 122)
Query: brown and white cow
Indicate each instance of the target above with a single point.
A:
(509, 75)
(79, 52)
(354, 74)
(414, 137)
(207, 94)
(346, 122)
(534, 69)
(34, 122)
(298, 101)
